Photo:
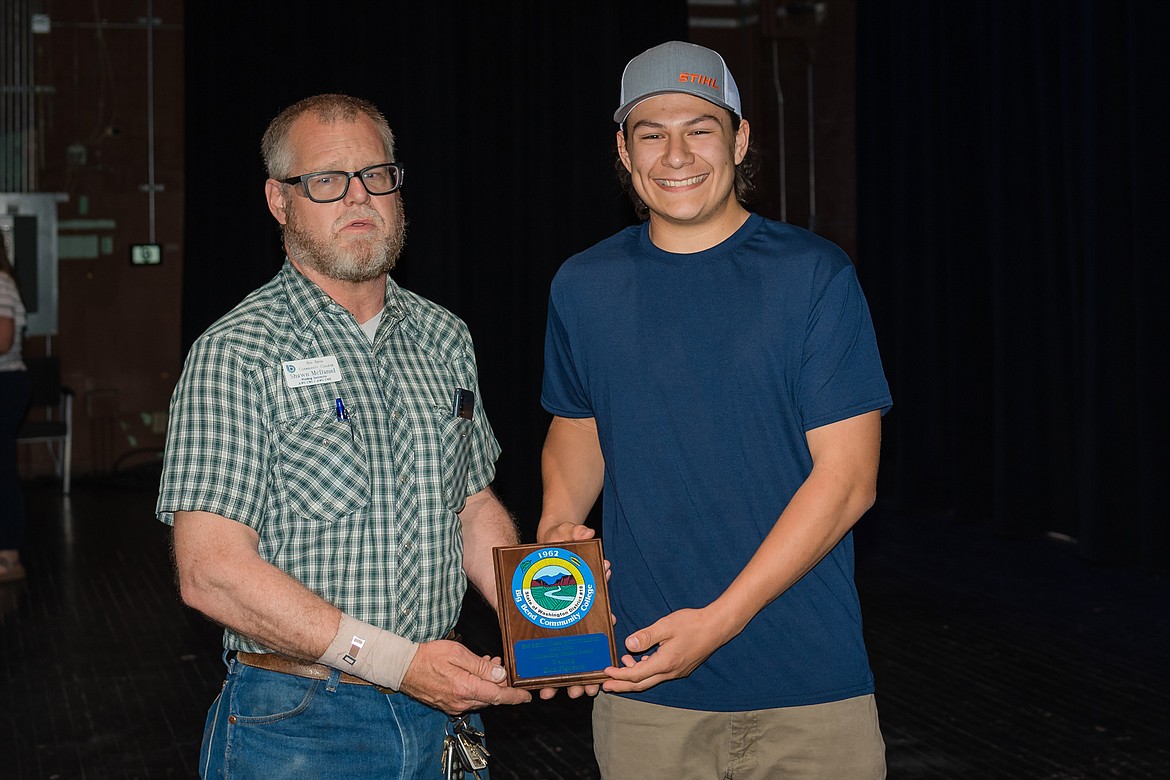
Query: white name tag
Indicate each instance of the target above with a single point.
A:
(312, 371)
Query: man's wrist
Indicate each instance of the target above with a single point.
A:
(546, 529)
(369, 652)
(556, 531)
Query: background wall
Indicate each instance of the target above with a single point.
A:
(503, 119)
(501, 111)
(504, 123)
(96, 136)
(1014, 179)
(1000, 180)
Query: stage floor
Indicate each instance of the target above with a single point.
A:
(994, 658)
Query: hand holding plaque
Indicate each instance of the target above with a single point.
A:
(554, 614)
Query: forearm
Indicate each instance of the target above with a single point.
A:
(838, 491)
(816, 519)
(486, 524)
(7, 333)
(572, 472)
(221, 575)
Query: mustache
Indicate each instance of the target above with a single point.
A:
(365, 213)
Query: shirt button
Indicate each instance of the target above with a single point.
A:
(407, 545)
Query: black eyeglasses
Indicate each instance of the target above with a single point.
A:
(328, 186)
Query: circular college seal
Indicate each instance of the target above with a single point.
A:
(553, 588)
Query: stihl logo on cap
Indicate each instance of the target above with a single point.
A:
(698, 78)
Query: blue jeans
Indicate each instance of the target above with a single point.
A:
(268, 725)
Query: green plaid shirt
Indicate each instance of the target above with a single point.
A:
(362, 511)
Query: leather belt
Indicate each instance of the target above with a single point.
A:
(276, 662)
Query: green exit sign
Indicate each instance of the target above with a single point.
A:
(145, 254)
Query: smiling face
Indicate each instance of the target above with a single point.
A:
(681, 153)
(355, 239)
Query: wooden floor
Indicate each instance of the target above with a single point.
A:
(994, 658)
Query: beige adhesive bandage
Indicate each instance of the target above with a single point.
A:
(369, 653)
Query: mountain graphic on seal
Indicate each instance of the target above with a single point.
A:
(555, 581)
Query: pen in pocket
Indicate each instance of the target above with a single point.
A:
(343, 416)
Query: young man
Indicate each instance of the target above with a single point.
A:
(715, 376)
(326, 472)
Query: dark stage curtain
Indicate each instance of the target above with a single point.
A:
(503, 117)
(1013, 177)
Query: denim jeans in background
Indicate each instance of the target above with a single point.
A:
(269, 726)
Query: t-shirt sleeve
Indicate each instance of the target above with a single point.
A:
(563, 393)
(217, 454)
(841, 373)
(8, 297)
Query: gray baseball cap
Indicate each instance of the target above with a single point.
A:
(677, 66)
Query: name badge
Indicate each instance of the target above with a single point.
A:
(312, 371)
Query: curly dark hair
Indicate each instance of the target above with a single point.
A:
(745, 171)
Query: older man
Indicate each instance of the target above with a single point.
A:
(327, 474)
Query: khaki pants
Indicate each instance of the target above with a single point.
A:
(835, 741)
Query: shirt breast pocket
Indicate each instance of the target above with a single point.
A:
(455, 439)
(324, 467)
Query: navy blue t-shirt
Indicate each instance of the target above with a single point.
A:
(703, 372)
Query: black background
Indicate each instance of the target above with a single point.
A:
(1012, 193)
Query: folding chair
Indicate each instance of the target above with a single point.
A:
(50, 418)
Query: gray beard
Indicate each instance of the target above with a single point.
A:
(362, 263)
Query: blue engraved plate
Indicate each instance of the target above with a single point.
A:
(562, 655)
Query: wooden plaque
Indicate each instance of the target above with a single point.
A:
(554, 614)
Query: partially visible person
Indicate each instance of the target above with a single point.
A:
(14, 390)
(327, 473)
(714, 375)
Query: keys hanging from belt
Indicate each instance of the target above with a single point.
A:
(463, 749)
(452, 765)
